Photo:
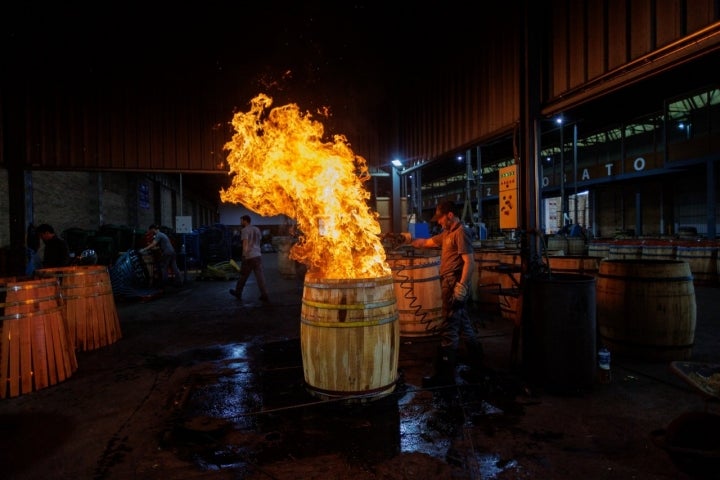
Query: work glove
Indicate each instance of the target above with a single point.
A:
(460, 292)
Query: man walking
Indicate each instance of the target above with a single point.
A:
(251, 260)
(456, 265)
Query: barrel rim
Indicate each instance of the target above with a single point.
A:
(27, 285)
(73, 271)
(565, 277)
(576, 256)
(318, 282)
(643, 261)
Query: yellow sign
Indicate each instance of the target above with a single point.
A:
(508, 195)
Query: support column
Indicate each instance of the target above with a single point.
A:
(396, 220)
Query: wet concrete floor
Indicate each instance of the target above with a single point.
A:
(202, 385)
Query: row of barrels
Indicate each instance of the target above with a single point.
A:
(702, 257)
(636, 308)
(646, 307)
(45, 319)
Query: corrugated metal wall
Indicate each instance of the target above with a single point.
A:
(99, 124)
(124, 128)
(454, 106)
(589, 44)
(594, 38)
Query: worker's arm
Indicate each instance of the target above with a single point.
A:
(469, 263)
(422, 243)
(425, 242)
(150, 246)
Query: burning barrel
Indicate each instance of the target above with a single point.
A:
(349, 337)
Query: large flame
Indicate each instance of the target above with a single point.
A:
(281, 165)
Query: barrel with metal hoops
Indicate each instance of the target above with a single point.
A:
(416, 278)
(35, 348)
(130, 276)
(89, 305)
(349, 337)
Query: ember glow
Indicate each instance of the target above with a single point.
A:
(281, 164)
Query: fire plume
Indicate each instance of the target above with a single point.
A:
(281, 164)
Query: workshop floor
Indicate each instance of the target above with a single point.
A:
(202, 385)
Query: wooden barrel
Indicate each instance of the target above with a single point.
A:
(625, 251)
(493, 243)
(90, 310)
(418, 293)
(702, 260)
(646, 308)
(578, 264)
(600, 250)
(286, 265)
(349, 337)
(509, 299)
(658, 251)
(557, 242)
(485, 281)
(576, 246)
(35, 351)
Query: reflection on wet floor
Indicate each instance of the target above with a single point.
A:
(242, 415)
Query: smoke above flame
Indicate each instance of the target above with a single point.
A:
(281, 165)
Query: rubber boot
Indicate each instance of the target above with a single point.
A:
(444, 369)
